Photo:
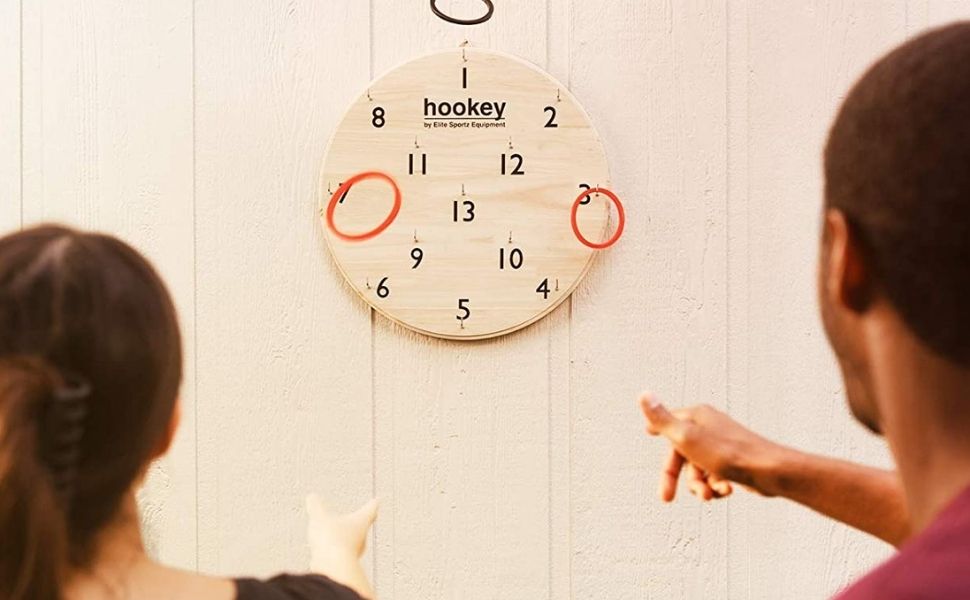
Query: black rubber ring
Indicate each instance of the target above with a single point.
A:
(478, 21)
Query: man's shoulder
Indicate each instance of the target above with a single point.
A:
(935, 564)
(912, 576)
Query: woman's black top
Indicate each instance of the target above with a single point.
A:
(293, 587)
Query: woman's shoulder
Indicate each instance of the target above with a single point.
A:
(293, 587)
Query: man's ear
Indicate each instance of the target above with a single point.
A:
(847, 279)
(169, 434)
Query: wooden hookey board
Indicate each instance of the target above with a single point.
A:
(448, 190)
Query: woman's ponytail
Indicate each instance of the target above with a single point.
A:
(33, 510)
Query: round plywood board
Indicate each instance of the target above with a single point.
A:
(489, 154)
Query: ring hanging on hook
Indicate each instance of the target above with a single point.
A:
(345, 188)
(478, 21)
(619, 209)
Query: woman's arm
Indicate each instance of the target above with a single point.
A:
(716, 450)
(337, 543)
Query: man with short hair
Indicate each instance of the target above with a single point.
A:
(894, 288)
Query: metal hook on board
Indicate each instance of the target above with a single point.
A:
(488, 14)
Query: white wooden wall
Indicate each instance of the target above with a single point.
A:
(515, 468)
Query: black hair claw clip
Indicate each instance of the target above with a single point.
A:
(65, 422)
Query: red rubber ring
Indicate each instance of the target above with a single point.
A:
(344, 188)
(619, 227)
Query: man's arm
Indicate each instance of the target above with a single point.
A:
(715, 450)
(863, 497)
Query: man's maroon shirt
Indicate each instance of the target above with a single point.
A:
(933, 565)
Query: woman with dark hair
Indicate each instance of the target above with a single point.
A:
(90, 369)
